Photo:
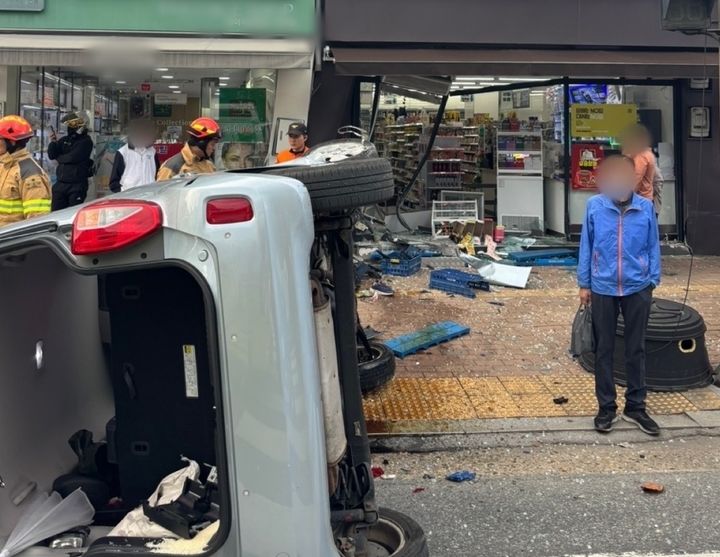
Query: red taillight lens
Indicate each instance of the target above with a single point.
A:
(229, 210)
(110, 225)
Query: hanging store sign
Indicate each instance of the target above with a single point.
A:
(286, 18)
(170, 98)
(242, 115)
(22, 5)
(586, 158)
(601, 120)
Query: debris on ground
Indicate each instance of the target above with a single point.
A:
(383, 289)
(377, 472)
(652, 487)
(457, 282)
(425, 338)
(561, 400)
(418, 490)
(461, 476)
(625, 445)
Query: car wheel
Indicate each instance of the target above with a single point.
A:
(396, 535)
(345, 185)
(376, 368)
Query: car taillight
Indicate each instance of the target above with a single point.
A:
(229, 210)
(113, 224)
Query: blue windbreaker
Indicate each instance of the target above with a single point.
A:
(619, 253)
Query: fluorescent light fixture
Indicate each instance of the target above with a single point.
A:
(464, 78)
(223, 84)
(25, 82)
(521, 79)
(161, 69)
(168, 77)
(120, 82)
(224, 78)
(177, 91)
(174, 86)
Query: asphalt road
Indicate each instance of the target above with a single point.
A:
(543, 502)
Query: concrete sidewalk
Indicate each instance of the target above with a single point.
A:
(515, 360)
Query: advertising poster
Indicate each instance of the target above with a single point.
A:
(601, 120)
(242, 115)
(585, 160)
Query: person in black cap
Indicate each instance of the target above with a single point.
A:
(297, 138)
(73, 154)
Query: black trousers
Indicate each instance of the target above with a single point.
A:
(636, 311)
(68, 194)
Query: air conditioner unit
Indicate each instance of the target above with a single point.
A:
(687, 15)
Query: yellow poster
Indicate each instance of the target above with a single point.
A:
(601, 120)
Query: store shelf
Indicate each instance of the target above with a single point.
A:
(502, 171)
(526, 132)
(520, 152)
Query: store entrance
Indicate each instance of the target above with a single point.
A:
(520, 145)
(243, 100)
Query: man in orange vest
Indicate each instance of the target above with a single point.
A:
(297, 138)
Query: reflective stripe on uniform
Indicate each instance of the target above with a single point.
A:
(11, 203)
(36, 206)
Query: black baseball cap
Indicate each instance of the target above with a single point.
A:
(297, 128)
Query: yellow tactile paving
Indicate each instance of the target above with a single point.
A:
(447, 399)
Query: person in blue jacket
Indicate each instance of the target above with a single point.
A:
(618, 269)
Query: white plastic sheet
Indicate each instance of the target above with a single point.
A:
(46, 516)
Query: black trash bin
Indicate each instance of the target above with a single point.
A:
(676, 354)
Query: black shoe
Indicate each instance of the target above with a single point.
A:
(604, 421)
(641, 419)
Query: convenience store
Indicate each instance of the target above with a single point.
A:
(252, 73)
(536, 77)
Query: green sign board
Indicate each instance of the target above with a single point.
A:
(276, 18)
(161, 110)
(242, 115)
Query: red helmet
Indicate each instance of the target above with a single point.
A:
(205, 128)
(15, 128)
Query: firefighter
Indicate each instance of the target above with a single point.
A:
(73, 154)
(24, 185)
(196, 156)
(297, 137)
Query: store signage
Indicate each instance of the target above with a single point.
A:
(170, 98)
(256, 18)
(601, 120)
(22, 5)
(242, 115)
(585, 160)
(145, 87)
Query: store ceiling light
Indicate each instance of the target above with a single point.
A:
(521, 79)
(465, 78)
(177, 91)
(223, 84)
(224, 78)
(161, 69)
(174, 86)
(168, 77)
(120, 82)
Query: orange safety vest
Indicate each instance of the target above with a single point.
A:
(290, 155)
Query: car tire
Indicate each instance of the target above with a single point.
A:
(344, 185)
(379, 370)
(397, 535)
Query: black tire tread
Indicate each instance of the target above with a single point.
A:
(345, 185)
(377, 372)
(415, 537)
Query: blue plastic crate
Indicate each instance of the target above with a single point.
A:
(427, 337)
(400, 267)
(452, 287)
(457, 282)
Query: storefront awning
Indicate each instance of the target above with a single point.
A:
(526, 62)
(173, 52)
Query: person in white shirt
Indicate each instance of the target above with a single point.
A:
(136, 163)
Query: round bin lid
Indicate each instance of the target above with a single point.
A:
(670, 321)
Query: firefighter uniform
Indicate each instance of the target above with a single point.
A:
(185, 162)
(24, 188)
